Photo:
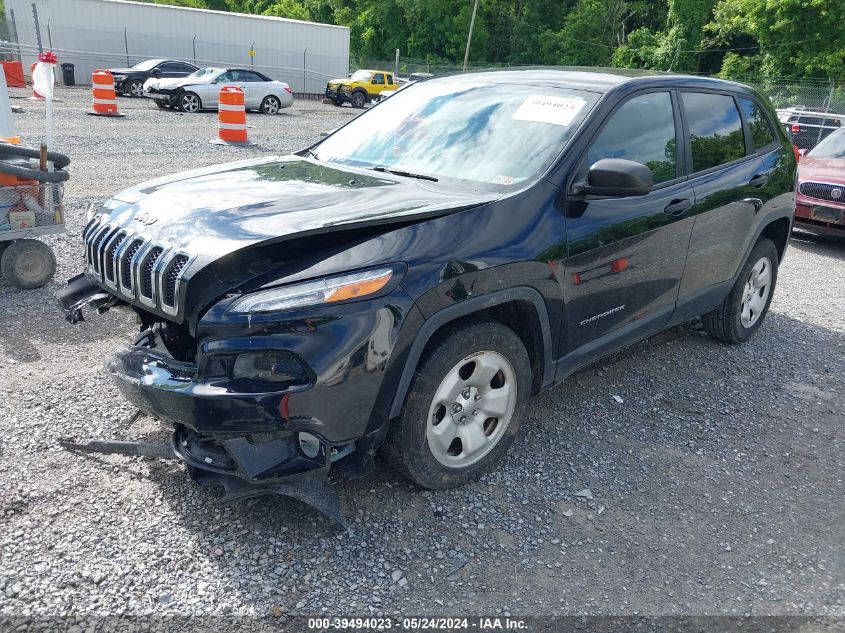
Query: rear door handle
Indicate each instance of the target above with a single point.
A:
(677, 207)
(759, 180)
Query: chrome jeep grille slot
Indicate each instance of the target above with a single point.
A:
(125, 264)
(823, 191)
(146, 283)
(111, 255)
(170, 278)
(135, 268)
(96, 249)
(86, 232)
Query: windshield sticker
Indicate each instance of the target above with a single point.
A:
(503, 180)
(553, 110)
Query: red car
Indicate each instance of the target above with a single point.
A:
(820, 203)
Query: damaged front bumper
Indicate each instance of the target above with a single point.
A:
(326, 407)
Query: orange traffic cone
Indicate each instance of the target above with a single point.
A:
(36, 96)
(105, 100)
(231, 118)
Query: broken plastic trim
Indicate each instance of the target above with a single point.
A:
(79, 292)
(310, 487)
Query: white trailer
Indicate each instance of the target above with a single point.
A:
(95, 34)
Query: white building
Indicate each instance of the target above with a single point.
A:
(95, 34)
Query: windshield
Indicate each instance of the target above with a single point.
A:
(832, 147)
(496, 134)
(147, 65)
(204, 72)
(361, 75)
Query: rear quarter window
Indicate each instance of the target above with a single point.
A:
(758, 124)
(715, 129)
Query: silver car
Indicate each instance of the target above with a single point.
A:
(199, 90)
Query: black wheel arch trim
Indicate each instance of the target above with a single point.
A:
(466, 308)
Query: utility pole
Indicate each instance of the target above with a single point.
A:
(469, 36)
(396, 67)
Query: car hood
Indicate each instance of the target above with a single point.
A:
(124, 71)
(174, 82)
(214, 211)
(225, 221)
(824, 168)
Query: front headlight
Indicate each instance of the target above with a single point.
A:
(118, 77)
(328, 290)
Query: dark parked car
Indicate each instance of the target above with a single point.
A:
(410, 280)
(820, 205)
(130, 81)
(808, 128)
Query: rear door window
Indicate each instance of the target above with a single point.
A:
(642, 130)
(378, 78)
(715, 129)
(758, 124)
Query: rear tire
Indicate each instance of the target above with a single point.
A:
(744, 309)
(28, 264)
(464, 406)
(271, 105)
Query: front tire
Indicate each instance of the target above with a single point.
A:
(743, 311)
(358, 99)
(271, 105)
(136, 88)
(189, 102)
(464, 406)
(28, 264)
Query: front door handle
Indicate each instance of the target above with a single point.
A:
(677, 207)
(759, 180)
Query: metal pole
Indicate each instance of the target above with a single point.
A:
(49, 35)
(469, 36)
(396, 66)
(126, 46)
(15, 32)
(37, 28)
(252, 57)
(194, 47)
(303, 71)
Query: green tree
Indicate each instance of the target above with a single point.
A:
(794, 38)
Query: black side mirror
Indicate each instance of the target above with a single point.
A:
(618, 177)
(155, 72)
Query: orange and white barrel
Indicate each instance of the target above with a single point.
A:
(105, 99)
(231, 117)
(35, 94)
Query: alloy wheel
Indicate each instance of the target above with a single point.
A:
(190, 103)
(756, 292)
(136, 89)
(471, 409)
(270, 105)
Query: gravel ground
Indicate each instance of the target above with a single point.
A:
(711, 485)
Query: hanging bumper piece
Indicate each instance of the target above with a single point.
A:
(310, 487)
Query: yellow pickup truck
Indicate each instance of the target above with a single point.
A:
(362, 87)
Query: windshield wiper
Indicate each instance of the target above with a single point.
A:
(402, 172)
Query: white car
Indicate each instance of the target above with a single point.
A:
(199, 90)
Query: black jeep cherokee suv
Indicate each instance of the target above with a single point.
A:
(411, 279)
